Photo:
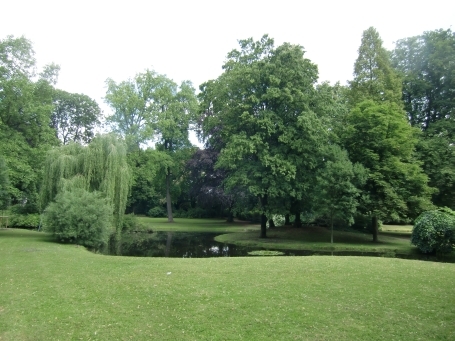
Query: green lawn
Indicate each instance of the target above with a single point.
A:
(318, 239)
(50, 291)
(196, 225)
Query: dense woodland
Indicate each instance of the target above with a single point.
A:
(279, 147)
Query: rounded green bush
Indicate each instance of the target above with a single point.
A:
(80, 217)
(434, 231)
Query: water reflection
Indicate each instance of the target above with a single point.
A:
(203, 245)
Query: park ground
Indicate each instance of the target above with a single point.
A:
(51, 291)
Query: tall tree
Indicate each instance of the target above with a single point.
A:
(379, 137)
(25, 109)
(258, 111)
(427, 65)
(132, 102)
(175, 109)
(74, 117)
(338, 183)
(374, 76)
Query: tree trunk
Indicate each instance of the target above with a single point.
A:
(297, 221)
(263, 226)
(230, 218)
(375, 228)
(271, 223)
(331, 230)
(170, 219)
(287, 220)
(263, 201)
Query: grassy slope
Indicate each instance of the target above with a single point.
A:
(318, 238)
(195, 225)
(62, 292)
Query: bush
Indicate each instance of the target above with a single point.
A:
(79, 217)
(27, 221)
(434, 231)
(157, 212)
(131, 224)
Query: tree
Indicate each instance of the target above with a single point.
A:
(101, 166)
(74, 117)
(426, 63)
(25, 108)
(338, 183)
(374, 77)
(379, 137)
(153, 105)
(4, 184)
(133, 102)
(427, 66)
(175, 109)
(259, 112)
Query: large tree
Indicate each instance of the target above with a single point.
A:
(258, 111)
(25, 110)
(374, 77)
(152, 107)
(427, 65)
(132, 102)
(175, 110)
(75, 117)
(379, 137)
(101, 166)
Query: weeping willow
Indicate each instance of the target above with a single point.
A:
(101, 166)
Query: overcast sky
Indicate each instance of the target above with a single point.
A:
(188, 40)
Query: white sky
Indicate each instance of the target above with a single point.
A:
(188, 40)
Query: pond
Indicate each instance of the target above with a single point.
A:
(203, 245)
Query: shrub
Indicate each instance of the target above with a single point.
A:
(434, 231)
(27, 221)
(79, 217)
(157, 212)
(131, 224)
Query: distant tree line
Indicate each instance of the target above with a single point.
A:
(279, 147)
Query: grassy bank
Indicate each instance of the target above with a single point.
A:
(318, 239)
(50, 291)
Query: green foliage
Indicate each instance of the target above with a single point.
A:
(132, 224)
(258, 114)
(80, 217)
(25, 109)
(27, 221)
(427, 65)
(434, 231)
(156, 212)
(74, 117)
(374, 77)
(379, 138)
(101, 166)
(4, 184)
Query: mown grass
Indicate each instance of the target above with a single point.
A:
(318, 239)
(196, 225)
(50, 291)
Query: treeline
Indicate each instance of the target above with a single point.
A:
(279, 147)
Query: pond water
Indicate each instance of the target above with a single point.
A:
(203, 245)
